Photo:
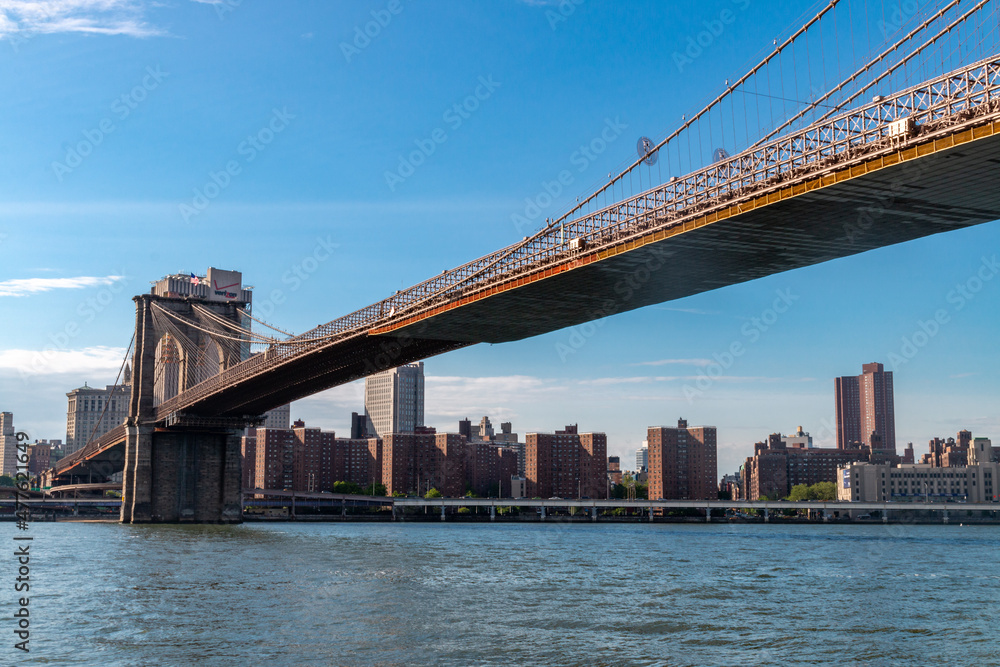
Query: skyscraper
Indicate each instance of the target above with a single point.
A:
(93, 412)
(865, 409)
(8, 445)
(394, 400)
(642, 458)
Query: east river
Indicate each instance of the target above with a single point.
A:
(508, 594)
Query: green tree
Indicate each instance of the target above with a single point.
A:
(818, 491)
(825, 490)
(433, 493)
(347, 487)
(375, 489)
(800, 493)
(7, 480)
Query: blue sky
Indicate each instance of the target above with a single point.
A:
(162, 96)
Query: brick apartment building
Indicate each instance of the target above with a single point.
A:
(950, 453)
(566, 464)
(682, 462)
(307, 459)
(776, 467)
(414, 463)
(865, 409)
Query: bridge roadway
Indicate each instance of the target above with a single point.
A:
(832, 190)
(441, 504)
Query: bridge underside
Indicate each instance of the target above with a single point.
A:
(937, 186)
(327, 367)
(945, 190)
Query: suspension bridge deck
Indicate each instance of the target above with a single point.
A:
(837, 188)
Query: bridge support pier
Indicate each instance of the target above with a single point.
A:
(593, 514)
(181, 476)
(651, 513)
(542, 516)
(945, 516)
(708, 515)
(767, 515)
(442, 511)
(493, 512)
(885, 516)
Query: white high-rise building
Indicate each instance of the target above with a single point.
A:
(394, 400)
(93, 412)
(8, 445)
(642, 458)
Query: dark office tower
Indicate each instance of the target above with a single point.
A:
(465, 428)
(865, 409)
(359, 425)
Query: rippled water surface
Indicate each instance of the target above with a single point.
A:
(466, 594)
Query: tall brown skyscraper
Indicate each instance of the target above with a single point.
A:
(865, 412)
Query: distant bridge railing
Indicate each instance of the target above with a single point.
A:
(963, 97)
(115, 435)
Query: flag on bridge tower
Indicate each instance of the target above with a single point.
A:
(194, 280)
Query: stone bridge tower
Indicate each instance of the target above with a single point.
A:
(184, 467)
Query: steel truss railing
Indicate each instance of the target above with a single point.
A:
(962, 97)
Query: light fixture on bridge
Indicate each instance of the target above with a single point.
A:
(645, 150)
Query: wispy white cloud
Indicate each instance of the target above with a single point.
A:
(649, 379)
(958, 376)
(89, 360)
(683, 362)
(453, 397)
(101, 17)
(26, 286)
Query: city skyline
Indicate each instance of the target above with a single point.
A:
(89, 239)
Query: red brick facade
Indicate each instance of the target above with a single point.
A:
(682, 462)
(566, 464)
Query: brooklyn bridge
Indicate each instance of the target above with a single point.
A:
(905, 147)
